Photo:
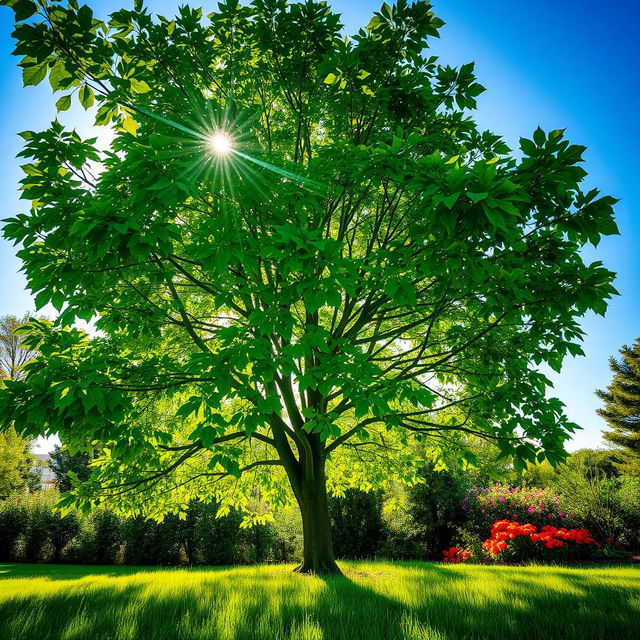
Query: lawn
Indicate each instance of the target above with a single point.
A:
(375, 600)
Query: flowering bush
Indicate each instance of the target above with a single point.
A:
(516, 541)
(540, 507)
(455, 554)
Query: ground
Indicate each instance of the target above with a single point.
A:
(374, 601)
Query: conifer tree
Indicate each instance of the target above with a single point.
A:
(622, 401)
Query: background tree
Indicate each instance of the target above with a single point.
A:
(62, 461)
(308, 266)
(13, 354)
(16, 465)
(622, 402)
(16, 461)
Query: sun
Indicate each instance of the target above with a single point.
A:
(220, 143)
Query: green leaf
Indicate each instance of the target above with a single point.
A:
(86, 96)
(63, 103)
(34, 75)
(139, 86)
(24, 9)
(477, 197)
(332, 78)
(130, 125)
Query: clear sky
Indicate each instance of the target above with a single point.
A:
(571, 64)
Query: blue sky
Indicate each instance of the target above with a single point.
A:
(571, 64)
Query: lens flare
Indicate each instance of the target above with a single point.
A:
(220, 144)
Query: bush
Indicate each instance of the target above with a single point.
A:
(150, 542)
(14, 519)
(99, 540)
(602, 499)
(61, 531)
(484, 506)
(218, 539)
(357, 525)
(435, 510)
(287, 528)
(37, 536)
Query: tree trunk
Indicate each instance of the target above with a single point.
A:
(318, 555)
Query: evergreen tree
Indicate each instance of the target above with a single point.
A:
(622, 401)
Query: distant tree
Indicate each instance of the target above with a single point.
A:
(16, 465)
(62, 462)
(13, 354)
(301, 252)
(622, 402)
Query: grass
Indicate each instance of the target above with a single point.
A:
(375, 600)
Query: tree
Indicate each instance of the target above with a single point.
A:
(301, 255)
(62, 463)
(13, 355)
(16, 461)
(622, 402)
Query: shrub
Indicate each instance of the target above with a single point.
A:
(61, 531)
(99, 539)
(434, 510)
(287, 527)
(37, 535)
(14, 520)
(357, 525)
(603, 500)
(484, 506)
(218, 539)
(455, 555)
(150, 542)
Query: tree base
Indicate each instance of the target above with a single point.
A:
(321, 569)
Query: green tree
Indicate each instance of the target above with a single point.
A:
(622, 402)
(63, 463)
(16, 464)
(300, 252)
(16, 461)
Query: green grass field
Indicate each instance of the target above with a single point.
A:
(375, 600)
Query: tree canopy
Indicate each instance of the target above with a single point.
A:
(304, 260)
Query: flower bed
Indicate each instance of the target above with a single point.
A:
(512, 540)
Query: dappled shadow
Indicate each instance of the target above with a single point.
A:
(403, 601)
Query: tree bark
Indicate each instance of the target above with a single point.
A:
(318, 555)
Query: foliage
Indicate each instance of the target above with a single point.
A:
(601, 497)
(379, 601)
(434, 509)
(356, 523)
(13, 354)
(149, 542)
(13, 524)
(364, 275)
(16, 465)
(99, 540)
(501, 501)
(622, 402)
(63, 462)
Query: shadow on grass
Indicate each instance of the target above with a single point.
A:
(390, 602)
(78, 571)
